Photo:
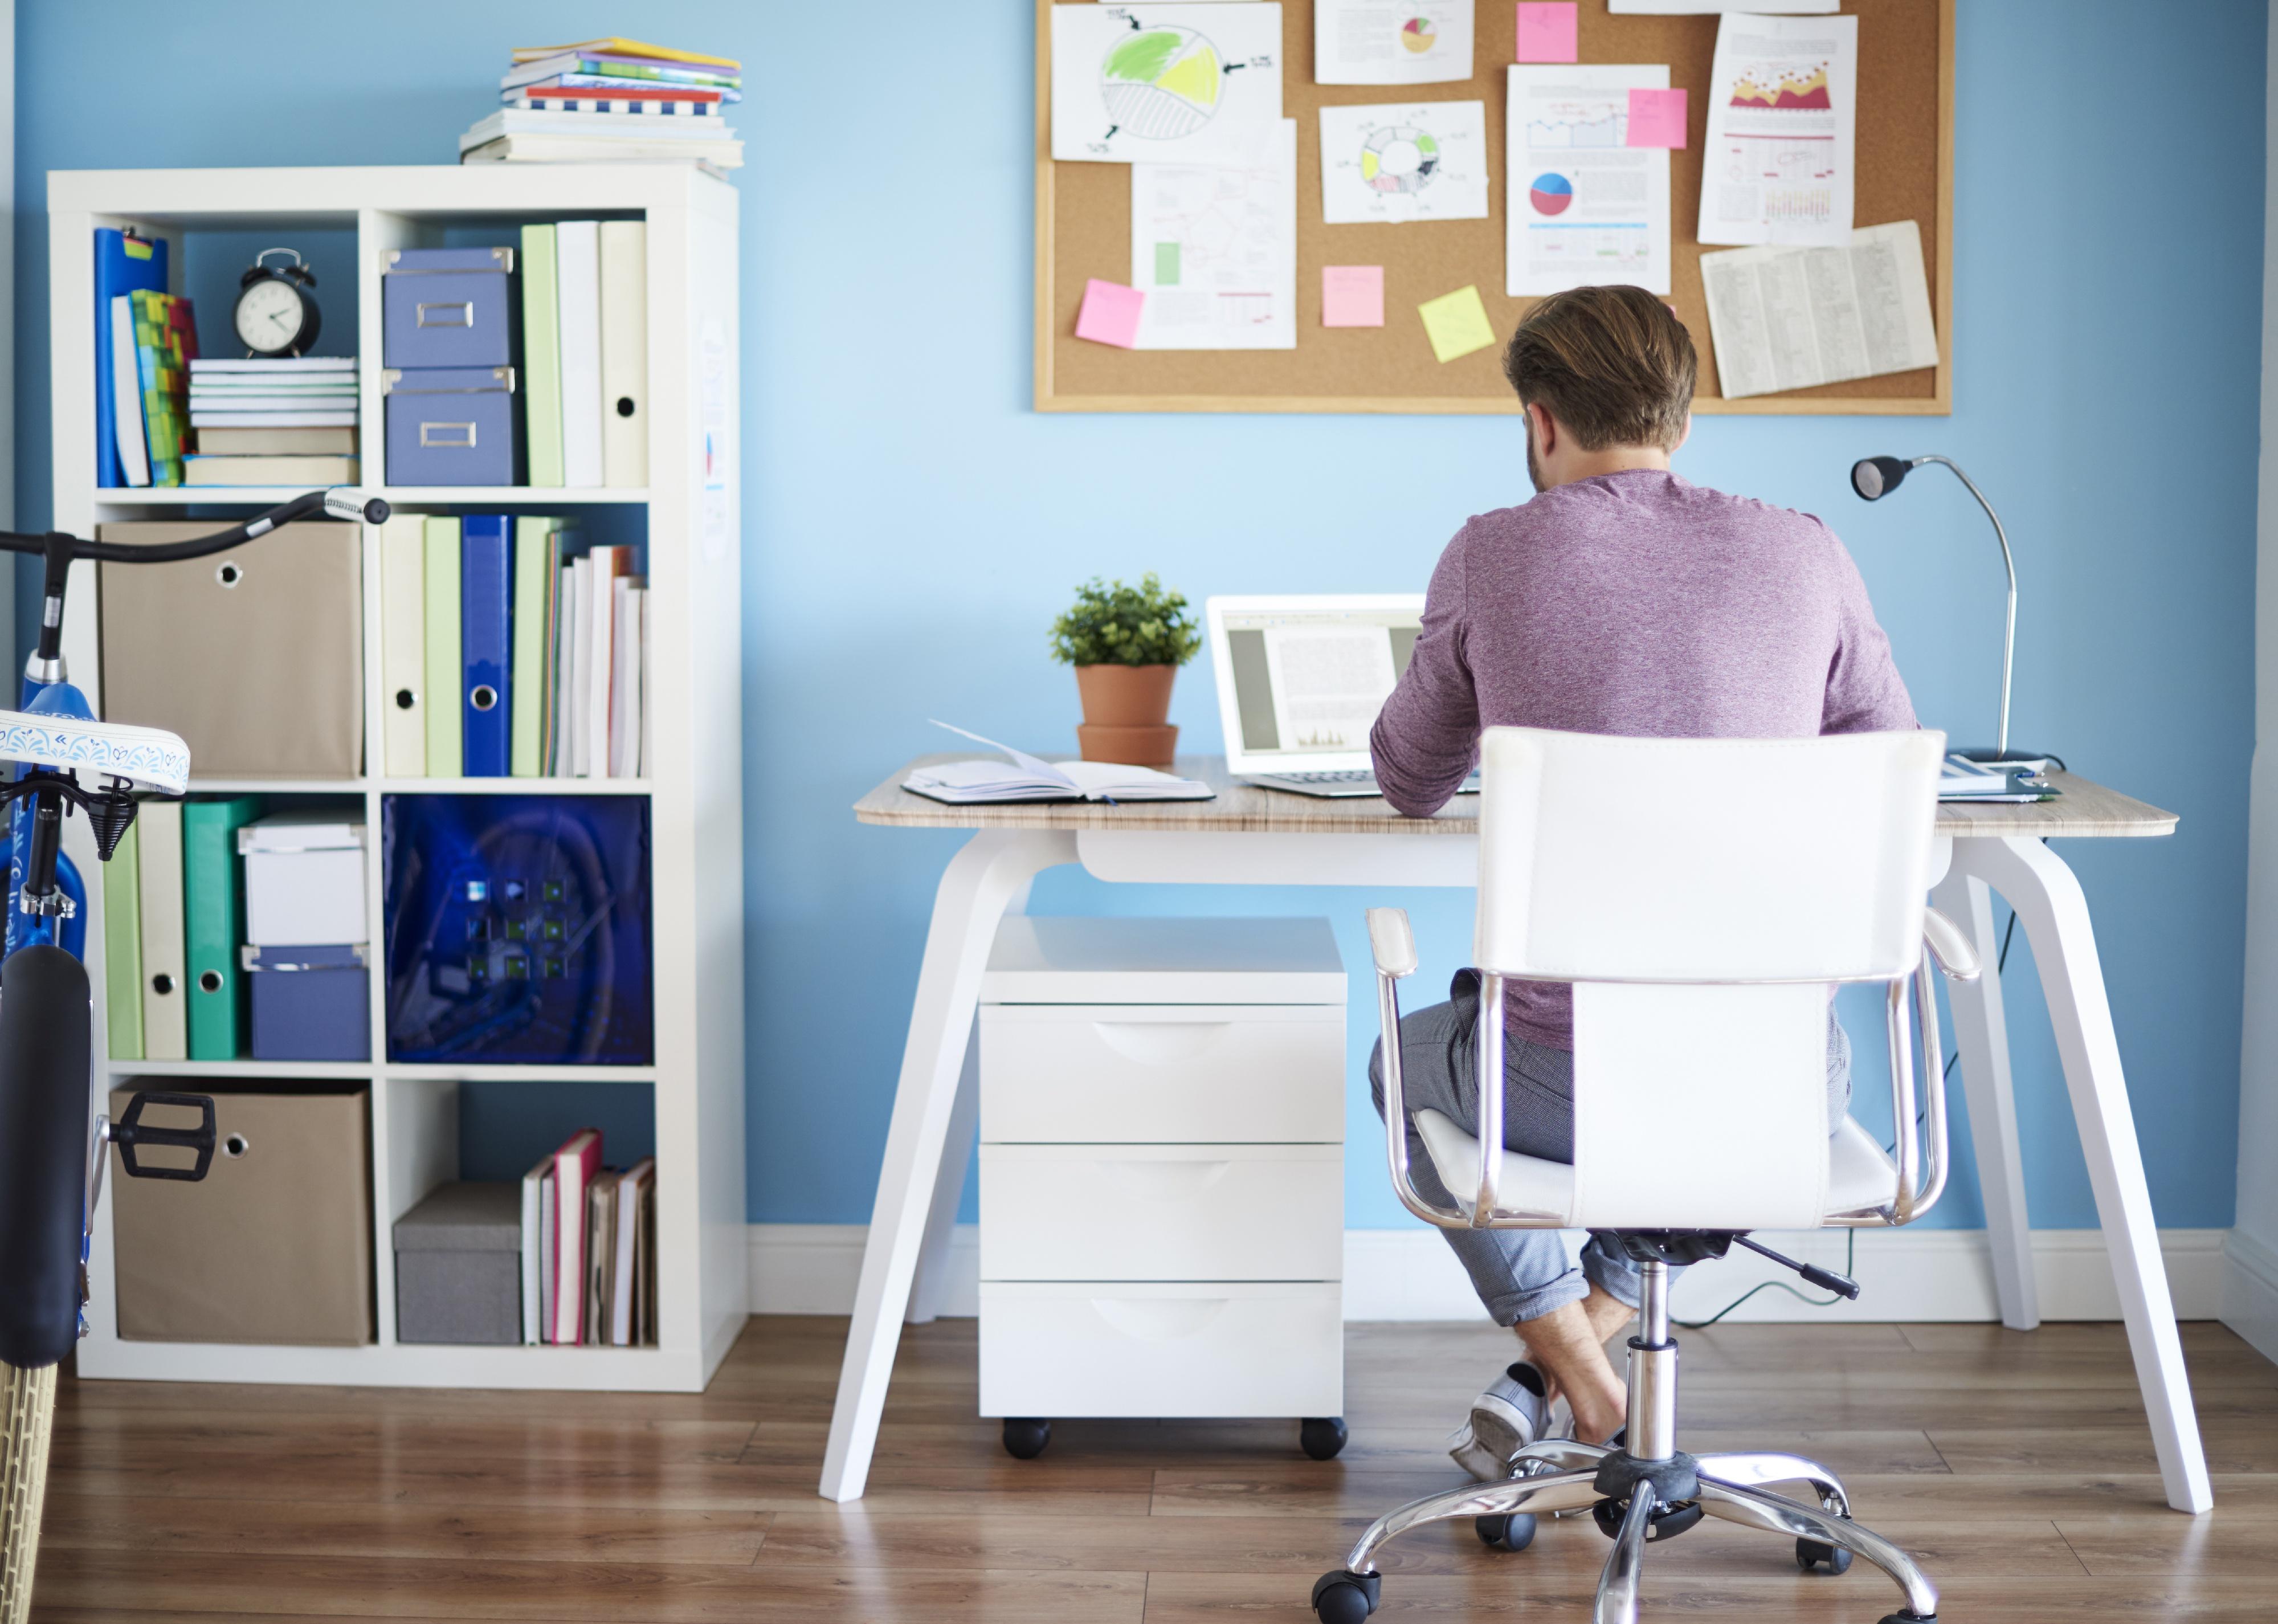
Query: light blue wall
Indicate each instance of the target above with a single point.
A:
(911, 527)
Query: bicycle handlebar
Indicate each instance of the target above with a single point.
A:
(343, 503)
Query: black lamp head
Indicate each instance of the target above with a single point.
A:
(1875, 477)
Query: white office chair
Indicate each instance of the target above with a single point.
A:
(1700, 895)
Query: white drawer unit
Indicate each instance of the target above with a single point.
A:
(1162, 1174)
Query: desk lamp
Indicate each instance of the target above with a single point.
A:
(1874, 478)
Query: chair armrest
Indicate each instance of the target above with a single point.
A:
(1392, 942)
(1953, 951)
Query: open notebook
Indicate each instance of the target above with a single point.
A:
(1026, 777)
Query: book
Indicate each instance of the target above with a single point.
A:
(278, 443)
(311, 418)
(130, 451)
(608, 127)
(309, 470)
(1964, 779)
(445, 662)
(577, 284)
(213, 922)
(626, 1277)
(165, 340)
(537, 1195)
(271, 365)
(646, 765)
(486, 643)
(600, 1254)
(979, 783)
(618, 46)
(575, 1164)
(717, 155)
(403, 645)
(123, 264)
(590, 95)
(536, 573)
(624, 678)
(599, 69)
(577, 641)
(122, 948)
(541, 357)
(624, 354)
(562, 727)
(165, 1034)
(608, 563)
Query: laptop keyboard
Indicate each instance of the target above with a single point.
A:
(1356, 775)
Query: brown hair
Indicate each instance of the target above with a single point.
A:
(1613, 365)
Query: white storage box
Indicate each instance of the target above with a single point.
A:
(304, 879)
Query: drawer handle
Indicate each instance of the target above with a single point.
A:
(1161, 1043)
(1158, 1319)
(1165, 1179)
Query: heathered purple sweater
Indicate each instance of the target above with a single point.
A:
(1631, 603)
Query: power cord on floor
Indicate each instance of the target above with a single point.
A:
(1850, 1237)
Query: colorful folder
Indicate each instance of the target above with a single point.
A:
(122, 948)
(447, 668)
(213, 924)
(486, 642)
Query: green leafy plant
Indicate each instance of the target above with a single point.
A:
(1111, 623)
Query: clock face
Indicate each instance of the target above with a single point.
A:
(270, 317)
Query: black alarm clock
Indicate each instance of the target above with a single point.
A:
(276, 315)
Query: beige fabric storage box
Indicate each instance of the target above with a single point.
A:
(255, 656)
(274, 1245)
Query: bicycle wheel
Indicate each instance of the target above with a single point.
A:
(27, 1408)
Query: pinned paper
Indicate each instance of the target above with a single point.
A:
(1110, 314)
(1548, 32)
(1352, 295)
(1657, 118)
(1457, 324)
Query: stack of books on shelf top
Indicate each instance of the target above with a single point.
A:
(611, 100)
(274, 421)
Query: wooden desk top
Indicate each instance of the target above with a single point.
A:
(2084, 809)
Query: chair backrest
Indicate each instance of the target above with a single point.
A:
(1701, 893)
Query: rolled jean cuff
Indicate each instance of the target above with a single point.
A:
(1617, 1277)
(1515, 1307)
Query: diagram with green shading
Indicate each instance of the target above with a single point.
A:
(1398, 160)
(1163, 82)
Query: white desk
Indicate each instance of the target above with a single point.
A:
(1251, 836)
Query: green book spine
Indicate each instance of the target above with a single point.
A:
(446, 661)
(541, 357)
(213, 924)
(534, 551)
(122, 946)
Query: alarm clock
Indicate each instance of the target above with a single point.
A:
(276, 315)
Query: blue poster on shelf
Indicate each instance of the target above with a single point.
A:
(518, 929)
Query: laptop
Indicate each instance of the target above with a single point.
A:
(1300, 680)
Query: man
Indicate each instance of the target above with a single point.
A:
(1620, 599)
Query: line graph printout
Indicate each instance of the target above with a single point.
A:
(1328, 684)
(1783, 102)
(1392, 42)
(1584, 209)
(1404, 161)
(1215, 249)
(1180, 83)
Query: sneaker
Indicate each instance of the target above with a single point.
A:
(1505, 1419)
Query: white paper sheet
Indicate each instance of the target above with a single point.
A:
(1215, 249)
(1695, 8)
(1782, 95)
(1385, 42)
(1788, 317)
(1328, 684)
(1404, 161)
(1166, 84)
(1583, 209)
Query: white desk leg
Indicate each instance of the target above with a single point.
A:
(931, 1287)
(1981, 1033)
(984, 877)
(2047, 897)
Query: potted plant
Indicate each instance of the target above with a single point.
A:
(1126, 644)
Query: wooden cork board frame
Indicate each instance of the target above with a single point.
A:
(1904, 171)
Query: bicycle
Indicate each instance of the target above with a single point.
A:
(52, 1176)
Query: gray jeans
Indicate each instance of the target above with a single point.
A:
(1521, 1273)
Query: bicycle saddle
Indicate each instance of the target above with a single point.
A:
(58, 733)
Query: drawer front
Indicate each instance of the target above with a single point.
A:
(1107, 1073)
(1103, 1349)
(1162, 1212)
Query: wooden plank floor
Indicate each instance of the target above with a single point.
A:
(2016, 1466)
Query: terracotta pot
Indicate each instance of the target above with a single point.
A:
(1124, 707)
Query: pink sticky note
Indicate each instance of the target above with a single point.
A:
(1548, 31)
(1657, 118)
(1352, 295)
(1110, 314)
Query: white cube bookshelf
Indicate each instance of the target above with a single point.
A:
(694, 790)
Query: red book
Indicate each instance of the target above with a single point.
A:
(574, 1167)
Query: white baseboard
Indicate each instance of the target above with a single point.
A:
(1909, 1274)
(2250, 1292)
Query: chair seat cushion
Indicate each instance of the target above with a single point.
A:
(1859, 1176)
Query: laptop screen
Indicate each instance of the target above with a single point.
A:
(1301, 681)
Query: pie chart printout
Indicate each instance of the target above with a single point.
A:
(1162, 83)
(1400, 159)
(1551, 193)
(1418, 35)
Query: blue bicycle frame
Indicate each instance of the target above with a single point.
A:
(67, 930)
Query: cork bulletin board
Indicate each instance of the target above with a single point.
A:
(1904, 171)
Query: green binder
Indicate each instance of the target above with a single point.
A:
(447, 661)
(541, 356)
(122, 946)
(213, 924)
(537, 562)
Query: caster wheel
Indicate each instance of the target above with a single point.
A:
(1025, 1440)
(1514, 1532)
(1811, 1555)
(1322, 1437)
(1342, 1598)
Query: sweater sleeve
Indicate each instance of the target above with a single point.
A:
(1426, 738)
(1865, 693)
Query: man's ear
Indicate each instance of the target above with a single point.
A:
(1545, 427)
(1687, 435)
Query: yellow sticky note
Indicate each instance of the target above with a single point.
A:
(1457, 324)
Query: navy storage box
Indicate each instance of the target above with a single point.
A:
(452, 425)
(447, 307)
(309, 1003)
